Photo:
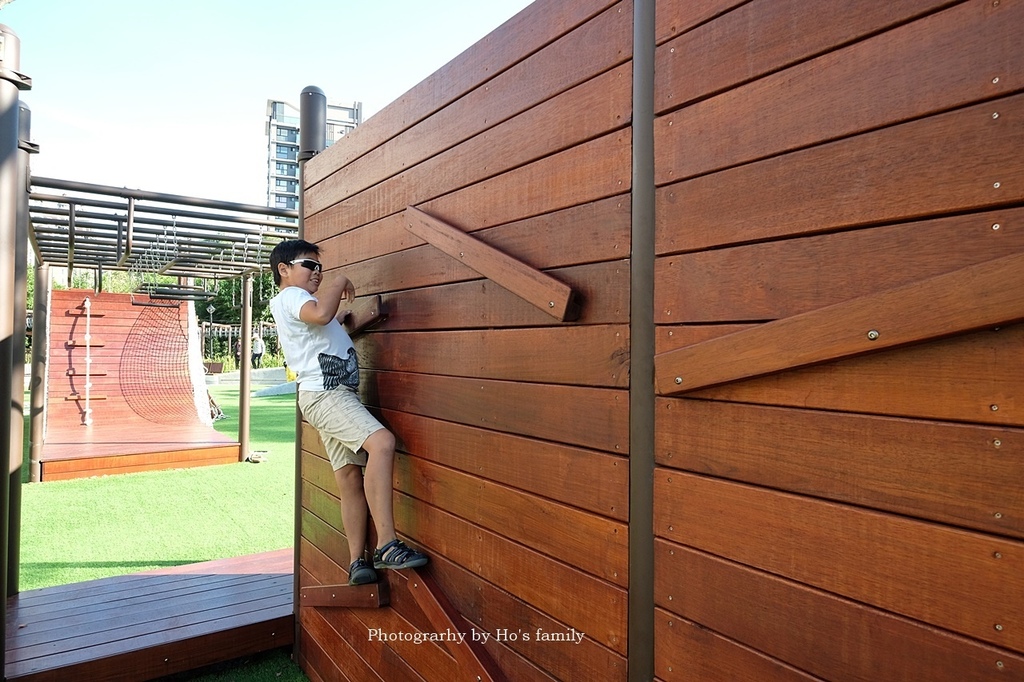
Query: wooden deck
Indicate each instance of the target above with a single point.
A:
(147, 625)
(135, 363)
(129, 445)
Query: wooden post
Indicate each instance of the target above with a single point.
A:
(245, 368)
(40, 352)
(640, 624)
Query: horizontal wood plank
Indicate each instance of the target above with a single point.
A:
(853, 181)
(667, 338)
(950, 473)
(355, 626)
(400, 175)
(585, 479)
(684, 651)
(363, 312)
(778, 279)
(342, 656)
(147, 625)
(328, 539)
(587, 172)
(533, 286)
(598, 608)
(678, 16)
(971, 378)
(54, 471)
(603, 289)
(592, 355)
(962, 581)
(545, 22)
(988, 294)
(315, 636)
(490, 609)
(599, 545)
(399, 660)
(470, 654)
(725, 52)
(371, 596)
(73, 629)
(595, 418)
(589, 233)
(824, 635)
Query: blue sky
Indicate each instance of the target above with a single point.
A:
(171, 96)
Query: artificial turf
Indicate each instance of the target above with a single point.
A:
(89, 528)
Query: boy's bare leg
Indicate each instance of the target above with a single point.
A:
(353, 508)
(378, 482)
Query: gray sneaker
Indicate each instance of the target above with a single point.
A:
(397, 555)
(360, 573)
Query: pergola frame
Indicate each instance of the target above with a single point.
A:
(151, 232)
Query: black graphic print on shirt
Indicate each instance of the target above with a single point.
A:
(340, 371)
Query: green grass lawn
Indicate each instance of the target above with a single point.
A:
(112, 525)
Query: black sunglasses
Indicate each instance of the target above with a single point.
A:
(308, 263)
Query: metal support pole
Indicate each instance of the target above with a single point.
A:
(40, 353)
(244, 371)
(10, 196)
(312, 141)
(71, 243)
(17, 459)
(640, 659)
(125, 248)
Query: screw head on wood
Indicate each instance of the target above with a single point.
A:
(679, 380)
(873, 335)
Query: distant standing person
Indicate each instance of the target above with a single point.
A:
(238, 353)
(321, 353)
(257, 350)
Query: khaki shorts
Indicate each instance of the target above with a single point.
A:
(343, 422)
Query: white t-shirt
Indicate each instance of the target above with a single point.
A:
(322, 356)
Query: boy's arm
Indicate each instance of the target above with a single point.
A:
(328, 297)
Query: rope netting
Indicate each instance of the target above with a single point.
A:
(154, 369)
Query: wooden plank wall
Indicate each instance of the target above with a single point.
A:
(513, 427)
(862, 519)
(143, 401)
(139, 360)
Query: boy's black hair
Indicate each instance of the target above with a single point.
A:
(287, 251)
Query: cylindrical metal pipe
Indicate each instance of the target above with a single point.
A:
(312, 122)
(37, 384)
(10, 191)
(125, 248)
(18, 352)
(71, 243)
(244, 369)
(641, 352)
(74, 186)
(312, 141)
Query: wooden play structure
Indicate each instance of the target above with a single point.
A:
(125, 389)
(699, 323)
(702, 350)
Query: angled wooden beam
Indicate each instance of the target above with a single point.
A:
(470, 654)
(976, 297)
(371, 596)
(363, 313)
(530, 284)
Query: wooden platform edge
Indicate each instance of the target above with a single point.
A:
(179, 647)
